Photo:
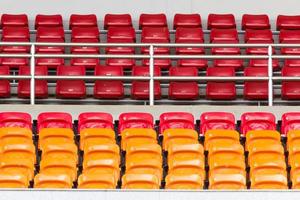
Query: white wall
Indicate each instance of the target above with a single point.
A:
(135, 7)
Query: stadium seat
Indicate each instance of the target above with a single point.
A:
(218, 90)
(213, 135)
(117, 20)
(293, 138)
(257, 121)
(79, 20)
(52, 181)
(227, 182)
(13, 20)
(185, 152)
(135, 120)
(290, 90)
(121, 33)
(251, 21)
(179, 136)
(48, 21)
(290, 37)
(108, 89)
(288, 22)
(51, 63)
(4, 84)
(184, 182)
(256, 90)
(268, 182)
(53, 136)
(216, 120)
(70, 88)
(140, 89)
(187, 21)
(101, 152)
(67, 151)
(50, 34)
(268, 136)
(152, 20)
(16, 135)
(54, 120)
(96, 181)
(296, 182)
(186, 167)
(20, 166)
(95, 136)
(15, 119)
(146, 151)
(137, 136)
(140, 181)
(18, 151)
(225, 150)
(95, 120)
(41, 87)
(13, 181)
(221, 21)
(290, 121)
(175, 120)
(183, 90)
(190, 35)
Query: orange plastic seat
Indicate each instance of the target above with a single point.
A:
(293, 136)
(143, 152)
(268, 136)
(295, 166)
(96, 181)
(14, 135)
(55, 136)
(185, 152)
(229, 150)
(60, 151)
(137, 137)
(179, 136)
(261, 148)
(222, 165)
(13, 180)
(102, 151)
(49, 181)
(140, 181)
(227, 182)
(14, 166)
(276, 181)
(91, 136)
(296, 182)
(213, 135)
(22, 151)
(184, 182)
(59, 166)
(107, 166)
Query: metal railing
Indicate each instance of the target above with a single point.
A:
(151, 56)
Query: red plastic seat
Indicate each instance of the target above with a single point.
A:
(263, 63)
(256, 90)
(120, 33)
(140, 89)
(190, 35)
(78, 20)
(290, 121)
(288, 22)
(135, 120)
(290, 37)
(15, 119)
(171, 120)
(152, 20)
(15, 34)
(108, 89)
(14, 20)
(48, 21)
(85, 33)
(70, 88)
(41, 87)
(218, 90)
(50, 63)
(216, 120)
(187, 21)
(183, 90)
(95, 120)
(290, 90)
(117, 20)
(257, 121)
(221, 21)
(54, 120)
(250, 21)
(50, 34)
(4, 84)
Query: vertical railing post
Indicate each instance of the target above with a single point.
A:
(151, 73)
(32, 74)
(270, 76)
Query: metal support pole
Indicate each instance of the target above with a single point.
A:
(32, 74)
(270, 75)
(151, 73)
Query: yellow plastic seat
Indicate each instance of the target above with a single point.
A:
(13, 135)
(222, 165)
(260, 148)
(230, 150)
(223, 135)
(104, 166)
(266, 136)
(296, 182)
(137, 137)
(295, 166)
(276, 181)
(144, 166)
(179, 136)
(13, 180)
(102, 151)
(55, 136)
(59, 166)
(143, 152)
(60, 151)
(19, 151)
(227, 182)
(294, 150)
(96, 181)
(140, 181)
(185, 152)
(43, 180)
(293, 136)
(14, 166)
(184, 182)
(95, 136)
